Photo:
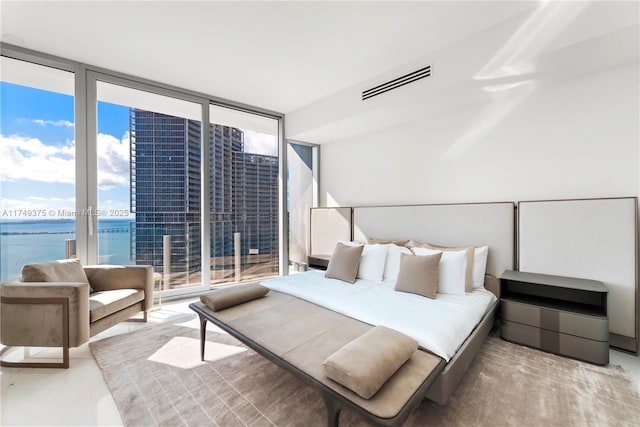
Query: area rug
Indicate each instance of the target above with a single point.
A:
(156, 378)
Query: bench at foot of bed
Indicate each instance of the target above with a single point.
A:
(299, 336)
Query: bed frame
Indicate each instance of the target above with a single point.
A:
(448, 225)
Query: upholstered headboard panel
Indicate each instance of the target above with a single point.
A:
(591, 239)
(476, 224)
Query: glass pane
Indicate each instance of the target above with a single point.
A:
(149, 162)
(243, 183)
(37, 165)
(300, 183)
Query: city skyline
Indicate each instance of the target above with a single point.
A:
(166, 174)
(37, 154)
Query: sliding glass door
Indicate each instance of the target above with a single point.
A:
(243, 180)
(154, 175)
(149, 155)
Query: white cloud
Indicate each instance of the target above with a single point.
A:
(67, 200)
(6, 203)
(29, 158)
(113, 161)
(42, 207)
(260, 143)
(57, 123)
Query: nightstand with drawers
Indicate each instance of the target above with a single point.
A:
(319, 262)
(561, 315)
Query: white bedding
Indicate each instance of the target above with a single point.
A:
(439, 325)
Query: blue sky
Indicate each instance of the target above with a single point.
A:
(20, 106)
(37, 153)
(36, 149)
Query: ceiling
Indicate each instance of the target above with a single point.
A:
(280, 56)
(311, 60)
(494, 69)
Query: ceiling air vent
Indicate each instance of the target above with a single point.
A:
(396, 83)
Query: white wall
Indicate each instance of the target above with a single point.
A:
(544, 105)
(569, 138)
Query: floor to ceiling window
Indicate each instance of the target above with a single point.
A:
(243, 195)
(113, 169)
(148, 175)
(37, 165)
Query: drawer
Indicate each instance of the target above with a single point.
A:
(566, 322)
(521, 334)
(555, 342)
(584, 349)
(520, 313)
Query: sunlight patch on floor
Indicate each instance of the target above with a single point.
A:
(184, 353)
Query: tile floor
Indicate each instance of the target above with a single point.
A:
(79, 396)
(76, 396)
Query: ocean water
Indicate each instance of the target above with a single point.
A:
(23, 242)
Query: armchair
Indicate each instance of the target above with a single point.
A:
(62, 304)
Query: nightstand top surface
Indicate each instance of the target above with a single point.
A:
(558, 281)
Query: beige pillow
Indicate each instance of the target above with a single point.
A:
(68, 270)
(374, 241)
(419, 274)
(344, 262)
(229, 296)
(470, 253)
(366, 363)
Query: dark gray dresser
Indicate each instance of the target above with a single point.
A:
(561, 315)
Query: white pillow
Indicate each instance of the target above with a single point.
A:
(453, 265)
(372, 261)
(479, 266)
(392, 264)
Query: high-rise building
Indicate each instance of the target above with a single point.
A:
(166, 193)
(244, 199)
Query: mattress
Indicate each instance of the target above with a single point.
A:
(439, 325)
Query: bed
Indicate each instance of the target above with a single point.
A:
(306, 317)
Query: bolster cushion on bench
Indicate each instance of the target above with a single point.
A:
(366, 363)
(233, 295)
